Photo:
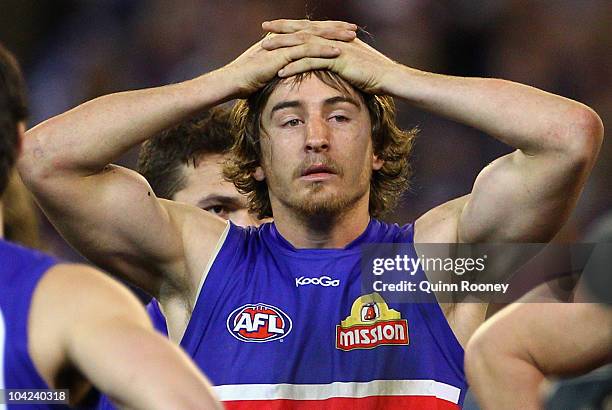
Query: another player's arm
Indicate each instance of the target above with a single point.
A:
(524, 196)
(520, 346)
(109, 213)
(88, 326)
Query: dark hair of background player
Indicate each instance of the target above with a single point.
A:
(162, 157)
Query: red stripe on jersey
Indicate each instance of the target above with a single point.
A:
(346, 403)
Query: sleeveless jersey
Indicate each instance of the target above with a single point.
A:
(279, 327)
(276, 327)
(20, 271)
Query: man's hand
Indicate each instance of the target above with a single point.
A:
(357, 62)
(258, 65)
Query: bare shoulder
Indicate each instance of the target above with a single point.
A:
(440, 224)
(68, 293)
(68, 296)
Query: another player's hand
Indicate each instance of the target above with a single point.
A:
(258, 65)
(358, 63)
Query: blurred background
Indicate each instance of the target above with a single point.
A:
(75, 50)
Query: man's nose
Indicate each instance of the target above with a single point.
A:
(317, 136)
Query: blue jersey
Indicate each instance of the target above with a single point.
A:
(279, 327)
(20, 272)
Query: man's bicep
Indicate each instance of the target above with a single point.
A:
(114, 219)
(520, 198)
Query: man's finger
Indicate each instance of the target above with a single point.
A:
(324, 51)
(291, 26)
(283, 40)
(305, 64)
(302, 37)
(333, 33)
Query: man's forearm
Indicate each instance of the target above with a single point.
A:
(87, 138)
(523, 117)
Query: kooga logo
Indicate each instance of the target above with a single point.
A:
(321, 281)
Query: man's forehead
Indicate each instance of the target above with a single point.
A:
(204, 183)
(310, 89)
(205, 169)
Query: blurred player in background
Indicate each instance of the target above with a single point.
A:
(68, 326)
(511, 356)
(276, 314)
(184, 164)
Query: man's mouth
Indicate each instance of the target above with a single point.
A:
(318, 172)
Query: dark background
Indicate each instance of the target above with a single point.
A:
(72, 51)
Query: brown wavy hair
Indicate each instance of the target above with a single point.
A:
(390, 144)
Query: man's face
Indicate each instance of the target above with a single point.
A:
(316, 148)
(206, 189)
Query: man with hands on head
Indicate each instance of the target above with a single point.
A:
(159, 245)
(318, 151)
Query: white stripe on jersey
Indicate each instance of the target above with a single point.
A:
(338, 389)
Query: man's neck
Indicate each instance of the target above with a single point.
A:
(326, 232)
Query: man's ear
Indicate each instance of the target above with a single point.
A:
(259, 174)
(377, 163)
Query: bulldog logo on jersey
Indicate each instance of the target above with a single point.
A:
(371, 324)
(258, 322)
(370, 312)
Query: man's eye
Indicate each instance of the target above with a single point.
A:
(218, 210)
(292, 123)
(340, 118)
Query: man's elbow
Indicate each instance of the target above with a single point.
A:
(31, 164)
(38, 163)
(489, 370)
(583, 139)
(480, 357)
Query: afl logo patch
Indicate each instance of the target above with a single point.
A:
(258, 322)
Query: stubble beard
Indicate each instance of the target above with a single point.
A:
(315, 205)
(324, 207)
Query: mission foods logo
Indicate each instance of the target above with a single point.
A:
(258, 323)
(371, 324)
